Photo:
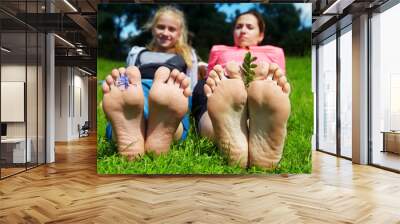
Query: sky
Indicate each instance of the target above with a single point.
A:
(304, 7)
(230, 11)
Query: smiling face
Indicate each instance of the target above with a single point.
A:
(247, 32)
(166, 31)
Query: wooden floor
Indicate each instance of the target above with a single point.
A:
(10, 171)
(70, 191)
(387, 159)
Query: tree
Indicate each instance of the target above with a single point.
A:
(112, 18)
(207, 27)
(283, 28)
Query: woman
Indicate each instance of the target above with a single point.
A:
(149, 108)
(247, 124)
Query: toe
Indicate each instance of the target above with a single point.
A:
(207, 90)
(211, 83)
(187, 92)
(282, 81)
(182, 80)
(233, 70)
(109, 80)
(106, 87)
(115, 74)
(220, 71)
(122, 71)
(174, 77)
(273, 67)
(261, 70)
(133, 74)
(277, 74)
(185, 83)
(286, 88)
(214, 75)
(161, 75)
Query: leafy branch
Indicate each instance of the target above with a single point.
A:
(247, 68)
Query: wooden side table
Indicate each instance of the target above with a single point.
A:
(391, 141)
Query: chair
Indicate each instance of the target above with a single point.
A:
(84, 130)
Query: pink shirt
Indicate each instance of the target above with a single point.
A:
(221, 54)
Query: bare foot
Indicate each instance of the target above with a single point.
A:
(227, 107)
(168, 103)
(269, 109)
(124, 109)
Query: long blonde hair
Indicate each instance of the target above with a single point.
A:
(181, 46)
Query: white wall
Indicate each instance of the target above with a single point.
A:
(14, 73)
(61, 103)
(70, 83)
(34, 125)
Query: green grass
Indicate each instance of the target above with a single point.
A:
(197, 155)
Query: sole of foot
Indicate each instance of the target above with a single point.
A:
(123, 107)
(269, 110)
(227, 108)
(168, 103)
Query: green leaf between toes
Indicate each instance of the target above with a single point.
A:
(247, 68)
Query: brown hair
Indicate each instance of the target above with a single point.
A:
(181, 47)
(260, 20)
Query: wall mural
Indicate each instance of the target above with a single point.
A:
(181, 94)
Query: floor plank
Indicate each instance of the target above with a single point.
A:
(70, 191)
